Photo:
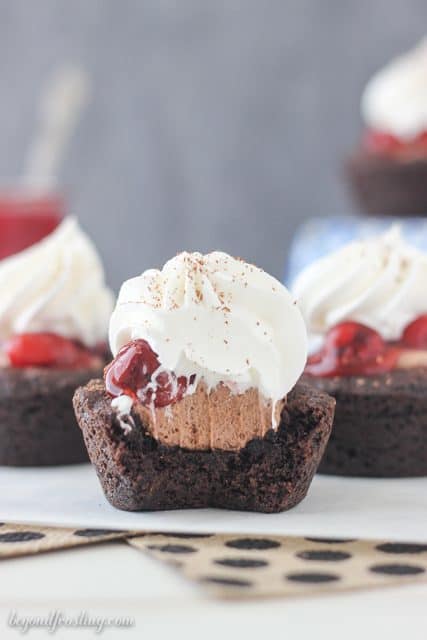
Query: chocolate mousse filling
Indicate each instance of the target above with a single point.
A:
(215, 419)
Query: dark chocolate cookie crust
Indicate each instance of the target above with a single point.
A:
(37, 422)
(269, 474)
(387, 186)
(380, 426)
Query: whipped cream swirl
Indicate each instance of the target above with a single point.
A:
(379, 282)
(57, 286)
(395, 99)
(216, 317)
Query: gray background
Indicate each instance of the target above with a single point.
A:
(213, 124)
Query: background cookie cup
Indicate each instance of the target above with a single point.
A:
(37, 423)
(365, 307)
(380, 424)
(53, 323)
(388, 171)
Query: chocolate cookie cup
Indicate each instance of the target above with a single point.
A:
(386, 185)
(268, 474)
(199, 406)
(380, 427)
(37, 421)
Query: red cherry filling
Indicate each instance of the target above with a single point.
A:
(165, 389)
(47, 350)
(136, 371)
(415, 334)
(385, 143)
(351, 348)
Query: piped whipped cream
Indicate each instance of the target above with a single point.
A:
(395, 99)
(218, 318)
(122, 406)
(56, 286)
(379, 282)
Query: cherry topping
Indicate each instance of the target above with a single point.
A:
(165, 389)
(385, 143)
(47, 350)
(415, 334)
(351, 348)
(131, 369)
(136, 371)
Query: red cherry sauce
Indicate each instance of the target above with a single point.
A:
(379, 142)
(26, 219)
(415, 334)
(136, 371)
(352, 349)
(48, 350)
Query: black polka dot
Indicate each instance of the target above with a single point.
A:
(401, 547)
(229, 582)
(252, 543)
(397, 569)
(89, 533)
(313, 578)
(324, 555)
(21, 536)
(172, 548)
(180, 535)
(331, 540)
(242, 563)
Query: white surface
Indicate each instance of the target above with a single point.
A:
(165, 605)
(334, 507)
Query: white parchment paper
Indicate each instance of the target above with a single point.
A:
(335, 507)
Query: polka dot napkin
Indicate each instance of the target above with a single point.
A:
(22, 540)
(241, 566)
